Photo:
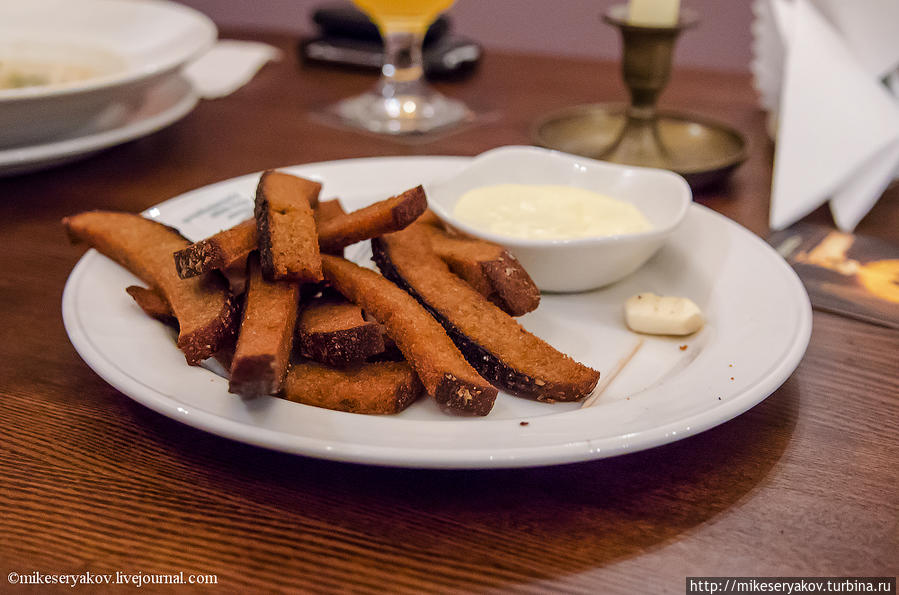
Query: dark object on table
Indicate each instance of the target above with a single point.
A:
(348, 38)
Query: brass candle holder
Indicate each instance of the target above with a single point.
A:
(701, 150)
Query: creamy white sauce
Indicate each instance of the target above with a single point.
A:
(33, 64)
(547, 212)
(17, 74)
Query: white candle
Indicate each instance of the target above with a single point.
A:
(653, 13)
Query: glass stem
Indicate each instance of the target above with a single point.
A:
(403, 68)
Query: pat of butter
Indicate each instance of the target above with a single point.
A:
(547, 212)
(662, 315)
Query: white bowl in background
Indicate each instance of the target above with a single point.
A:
(127, 46)
(575, 264)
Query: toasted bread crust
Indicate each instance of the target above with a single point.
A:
(203, 305)
(514, 290)
(266, 334)
(497, 346)
(228, 249)
(327, 210)
(382, 217)
(334, 332)
(285, 227)
(489, 268)
(372, 388)
(223, 250)
(444, 372)
(155, 306)
(430, 218)
(340, 230)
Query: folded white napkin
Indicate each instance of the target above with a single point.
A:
(228, 66)
(838, 122)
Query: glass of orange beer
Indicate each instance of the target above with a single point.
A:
(402, 102)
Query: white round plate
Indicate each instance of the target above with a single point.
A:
(126, 47)
(161, 106)
(759, 324)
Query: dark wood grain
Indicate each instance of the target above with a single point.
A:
(805, 483)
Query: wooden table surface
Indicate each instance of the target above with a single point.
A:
(803, 484)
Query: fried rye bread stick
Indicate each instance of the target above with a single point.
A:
(489, 268)
(495, 344)
(446, 375)
(266, 333)
(223, 250)
(204, 306)
(328, 209)
(332, 331)
(285, 227)
(228, 249)
(374, 388)
(382, 217)
(334, 233)
(155, 306)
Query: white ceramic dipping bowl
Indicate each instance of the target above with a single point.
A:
(577, 264)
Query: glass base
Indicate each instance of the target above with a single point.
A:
(401, 114)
